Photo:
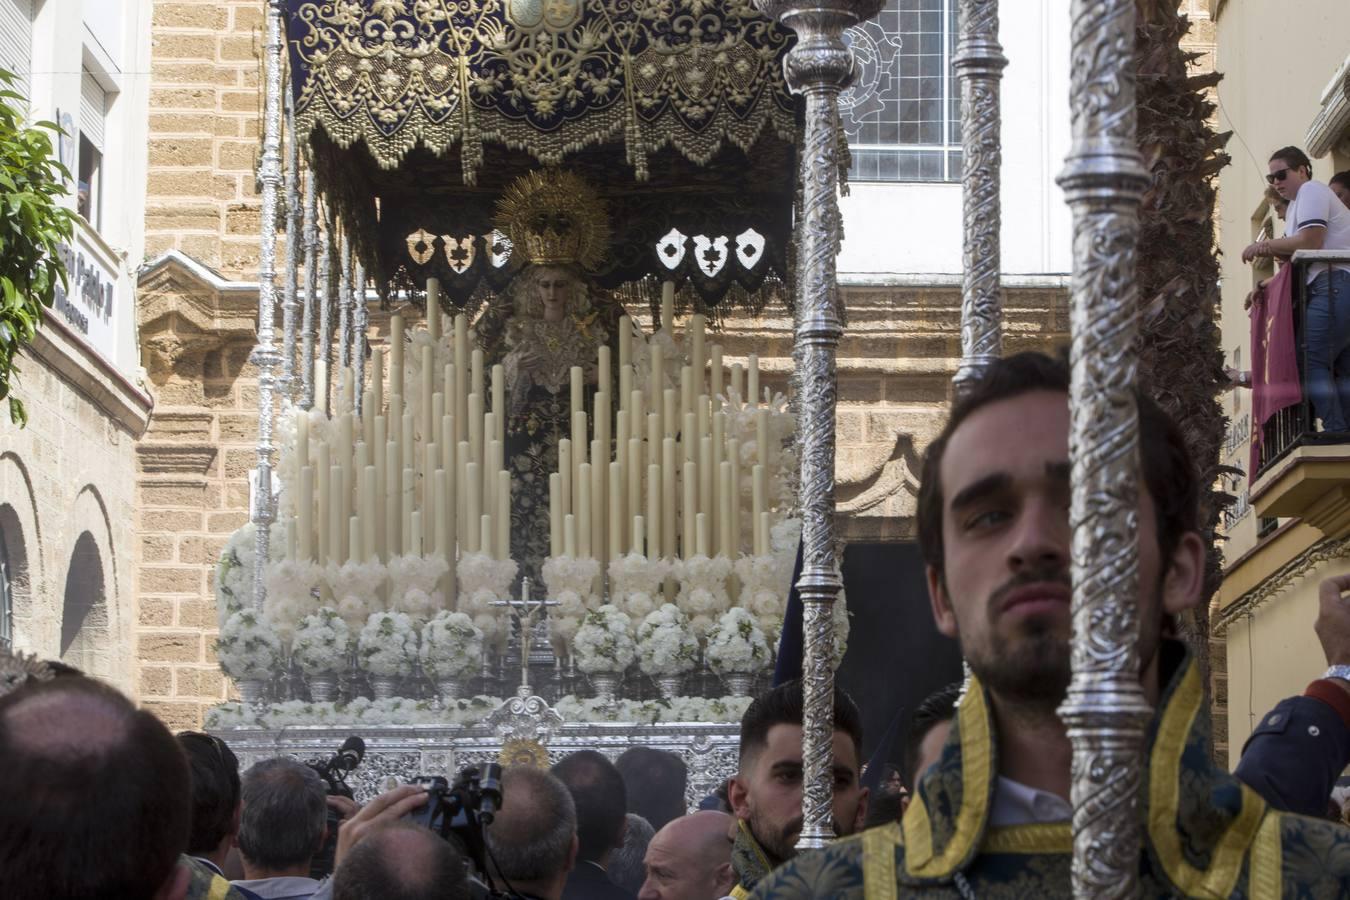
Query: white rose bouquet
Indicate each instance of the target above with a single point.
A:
(703, 590)
(665, 643)
(604, 642)
(483, 580)
(412, 585)
(234, 572)
(636, 581)
(387, 644)
(736, 643)
(321, 642)
(247, 647)
(451, 645)
(291, 586)
(356, 587)
(760, 592)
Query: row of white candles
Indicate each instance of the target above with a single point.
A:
(409, 481)
(690, 504)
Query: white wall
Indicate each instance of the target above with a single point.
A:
(915, 228)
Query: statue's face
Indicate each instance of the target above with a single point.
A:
(554, 287)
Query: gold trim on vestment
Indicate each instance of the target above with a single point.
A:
(1265, 879)
(1164, 789)
(878, 848)
(976, 762)
(1044, 838)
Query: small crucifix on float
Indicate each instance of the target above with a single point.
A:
(526, 610)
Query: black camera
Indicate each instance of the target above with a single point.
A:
(462, 809)
(334, 773)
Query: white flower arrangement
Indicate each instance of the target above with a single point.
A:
(291, 586)
(635, 583)
(604, 642)
(321, 643)
(665, 643)
(761, 592)
(736, 643)
(451, 645)
(570, 573)
(247, 646)
(412, 585)
(234, 572)
(387, 645)
(356, 586)
(482, 582)
(703, 590)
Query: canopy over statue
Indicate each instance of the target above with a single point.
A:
(419, 114)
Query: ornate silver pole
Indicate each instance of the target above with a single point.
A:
(360, 327)
(326, 293)
(311, 233)
(344, 307)
(290, 305)
(979, 63)
(819, 66)
(265, 355)
(1105, 709)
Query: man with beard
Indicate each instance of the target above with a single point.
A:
(991, 817)
(766, 793)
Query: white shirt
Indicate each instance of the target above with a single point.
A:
(1019, 804)
(1314, 205)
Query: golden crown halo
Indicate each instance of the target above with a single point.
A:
(554, 217)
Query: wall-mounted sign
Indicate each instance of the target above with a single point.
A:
(86, 304)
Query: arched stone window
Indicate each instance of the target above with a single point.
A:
(84, 615)
(13, 571)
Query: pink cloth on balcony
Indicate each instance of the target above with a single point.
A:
(1275, 382)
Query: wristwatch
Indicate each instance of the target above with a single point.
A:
(1341, 672)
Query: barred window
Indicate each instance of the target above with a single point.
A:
(902, 116)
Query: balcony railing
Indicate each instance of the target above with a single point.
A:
(1297, 426)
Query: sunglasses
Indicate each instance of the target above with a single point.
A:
(1278, 175)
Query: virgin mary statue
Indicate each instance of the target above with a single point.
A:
(554, 321)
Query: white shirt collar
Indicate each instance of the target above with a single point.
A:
(1019, 804)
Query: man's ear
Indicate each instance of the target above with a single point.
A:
(860, 818)
(1184, 583)
(943, 616)
(738, 795)
(724, 879)
(175, 887)
(572, 852)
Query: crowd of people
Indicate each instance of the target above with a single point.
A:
(98, 799)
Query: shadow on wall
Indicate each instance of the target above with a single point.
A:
(895, 657)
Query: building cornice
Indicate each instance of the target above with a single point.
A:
(63, 351)
(1272, 585)
(1331, 125)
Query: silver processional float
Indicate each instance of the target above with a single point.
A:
(1104, 178)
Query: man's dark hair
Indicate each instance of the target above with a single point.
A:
(1341, 178)
(1294, 158)
(936, 708)
(285, 811)
(401, 861)
(598, 791)
(655, 781)
(783, 705)
(1169, 474)
(215, 789)
(93, 794)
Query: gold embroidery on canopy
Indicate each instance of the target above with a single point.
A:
(879, 861)
(1051, 838)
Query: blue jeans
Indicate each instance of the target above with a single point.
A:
(1326, 336)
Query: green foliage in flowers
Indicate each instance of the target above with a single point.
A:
(33, 226)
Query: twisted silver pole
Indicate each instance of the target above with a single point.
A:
(344, 307)
(819, 66)
(265, 355)
(1105, 710)
(290, 306)
(360, 329)
(979, 63)
(310, 229)
(327, 291)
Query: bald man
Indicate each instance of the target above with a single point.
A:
(402, 860)
(690, 859)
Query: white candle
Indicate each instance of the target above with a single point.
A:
(615, 525)
(653, 440)
(305, 516)
(464, 526)
(757, 496)
(377, 377)
(762, 436)
(716, 389)
(504, 514)
(705, 475)
(396, 354)
(555, 515)
(653, 518)
(639, 541)
(689, 438)
(687, 393)
(301, 441)
(391, 534)
(602, 422)
(698, 339)
(473, 505)
(625, 341)
(735, 459)
(670, 423)
(434, 308)
(370, 512)
(353, 540)
(428, 385)
(719, 449)
(569, 535)
(440, 490)
(461, 398)
(476, 372)
(737, 385)
(689, 512)
(489, 485)
(766, 531)
(579, 445)
(428, 487)
(292, 536)
(701, 534)
(407, 504)
(476, 428)
(599, 478)
(657, 388)
(578, 384)
(752, 379)
(668, 470)
(415, 535)
(565, 471)
(621, 436)
(368, 412)
(499, 402)
(321, 384)
(725, 495)
(583, 482)
(602, 369)
(323, 491)
(667, 305)
(406, 445)
(633, 471)
(485, 533)
(625, 386)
